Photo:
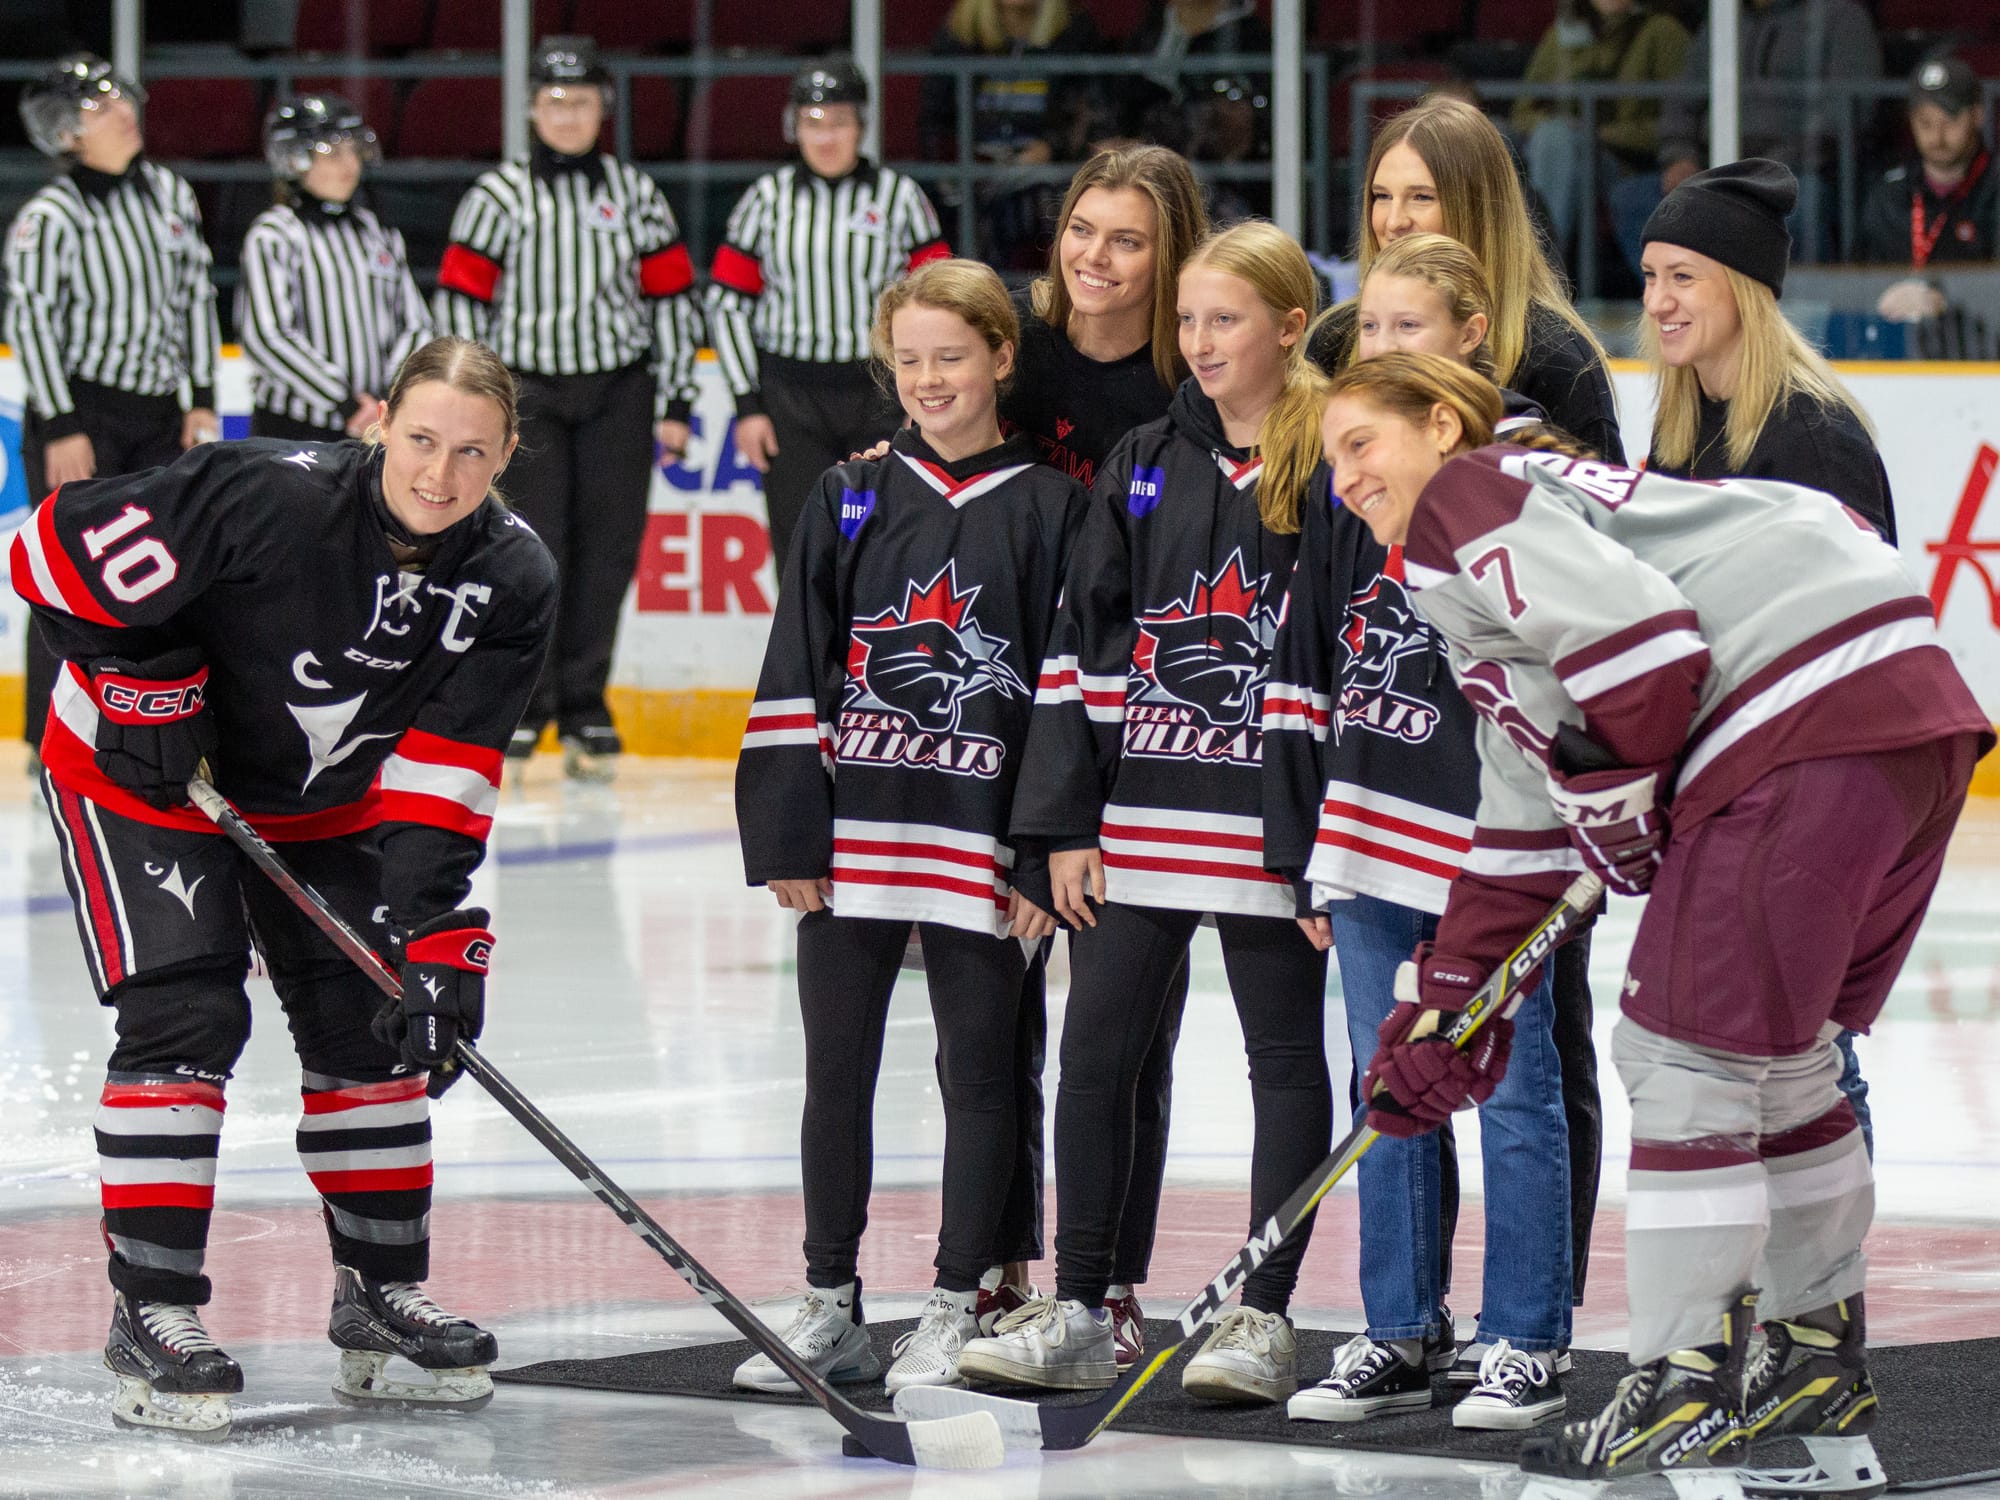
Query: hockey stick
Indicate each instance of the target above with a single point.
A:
(969, 1440)
(1062, 1427)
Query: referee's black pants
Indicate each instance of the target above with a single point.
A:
(1121, 975)
(847, 971)
(581, 477)
(821, 413)
(127, 433)
(265, 423)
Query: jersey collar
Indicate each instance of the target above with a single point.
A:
(968, 478)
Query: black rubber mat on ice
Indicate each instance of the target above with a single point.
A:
(1930, 1436)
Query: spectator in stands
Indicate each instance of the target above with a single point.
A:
(1781, 42)
(1942, 205)
(327, 306)
(1017, 119)
(570, 267)
(1595, 41)
(1167, 104)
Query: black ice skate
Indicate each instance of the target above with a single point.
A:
(1812, 1384)
(591, 753)
(373, 1320)
(1678, 1416)
(172, 1377)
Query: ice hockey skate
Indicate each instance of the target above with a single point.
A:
(591, 753)
(172, 1377)
(375, 1320)
(1811, 1383)
(1679, 1417)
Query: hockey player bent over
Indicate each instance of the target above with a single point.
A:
(345, 634)
(1731, 695)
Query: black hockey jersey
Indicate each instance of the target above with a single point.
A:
(1371, 769)
(885, 742)
(1148, 732)
(346, 692)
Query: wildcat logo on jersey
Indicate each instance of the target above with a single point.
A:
(910, 673)
(1203, 661)
(1382, 638)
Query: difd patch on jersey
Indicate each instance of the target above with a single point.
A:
(911, 672)
(1383, 642)
(1145, 490)
(1200, 664)
(856, 506)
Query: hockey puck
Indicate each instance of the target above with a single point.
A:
(852, 1447)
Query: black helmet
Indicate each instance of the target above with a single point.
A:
(567, 59)
(836, 81)
(52, 104)
(297, 128)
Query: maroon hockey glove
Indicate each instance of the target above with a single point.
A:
(1418, 1080)
(153, 724)
(1615, 823)
(443, 971)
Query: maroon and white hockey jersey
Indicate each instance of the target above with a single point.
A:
(346, 692)
(885, 741)
(1720, 629)
(1149, 718)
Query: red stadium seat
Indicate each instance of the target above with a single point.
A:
(1339, 126)
(1118, 20)
(1395, 23)
(375, 97)
(901, 95)
(474, 25)
(1513, 21)
(800, 26)
(452, 117)
(638, 25)
(655, 107)
(909, 25)
(375, 26)
(738, 119)
(204, 118)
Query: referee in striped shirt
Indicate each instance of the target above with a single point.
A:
(327, 306)
(570, 266)
(808, 249)
(110, 308)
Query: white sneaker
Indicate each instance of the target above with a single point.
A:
(1051, 1344)
(1251, 1357)
(928, 1353)
(1516, 1389)
(824, 1334)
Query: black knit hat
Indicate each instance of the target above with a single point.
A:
(1734, 213)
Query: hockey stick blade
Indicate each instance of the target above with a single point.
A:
(955, 1441)
(1066, 1427)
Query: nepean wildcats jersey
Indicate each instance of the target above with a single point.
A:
(1371, 777)
(1148, 734)
(346, 692)
(1719, 629)
(884, 745)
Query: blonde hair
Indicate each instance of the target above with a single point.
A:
(1180, 223)
(1479, 192)
(1260, 253)
(465, 366)
(1412, 386)
(1773, 363)
(966, 287)
(976, 23)
(1454, 273)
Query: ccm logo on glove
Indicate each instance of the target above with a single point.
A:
(134, 700)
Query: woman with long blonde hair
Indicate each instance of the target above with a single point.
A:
(1442, 167)
(1143, 780)
(1741, 392)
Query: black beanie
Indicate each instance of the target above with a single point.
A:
(1734, 213)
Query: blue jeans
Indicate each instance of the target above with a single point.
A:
(1523, 1141)
(1855, 1087)
(1554, 155)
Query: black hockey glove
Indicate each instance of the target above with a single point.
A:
(443, 971)
(153, 724)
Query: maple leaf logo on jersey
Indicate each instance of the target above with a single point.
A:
(1382, 632)
(1210, 650)
(927, 659)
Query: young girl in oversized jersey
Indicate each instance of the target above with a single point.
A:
(1143, 779)
(876, 785)
(1730, 696)
(1371, 780)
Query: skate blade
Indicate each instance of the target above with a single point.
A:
(1695, 1484)
(363, 1381)
(1846, 1467)
(137, 1407)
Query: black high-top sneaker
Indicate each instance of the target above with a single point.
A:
(1810, 1381)
(373, 1320)
(172, 1376)
(1679, 1412)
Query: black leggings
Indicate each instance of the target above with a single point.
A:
(1121, 971)
(847, 971)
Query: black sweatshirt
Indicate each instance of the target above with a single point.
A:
(1076, 408)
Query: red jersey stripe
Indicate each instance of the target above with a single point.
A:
(895, 849)
(1389, 823)
(159, 1095)
(156, 1195)
(1387, 853)
(465, 270)
(393, 1091)
(436, 750)
(74, 598)
(666, 273)
(435, 812)
(97, 899)
(1246, 841)
(738, 270)
(1191, 867)
(375, 1180)
(918, 881)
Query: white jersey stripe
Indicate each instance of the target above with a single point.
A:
(1647, 656)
